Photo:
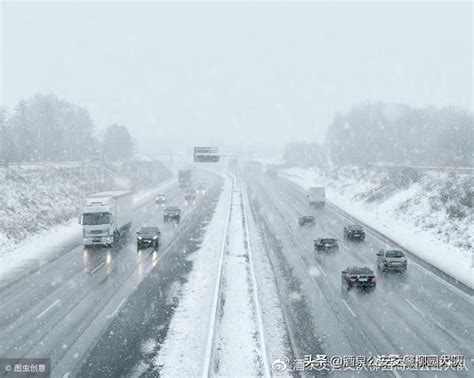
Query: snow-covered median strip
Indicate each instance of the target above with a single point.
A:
(217, 328)
(238, 351)
(184, 348)
(381, 216)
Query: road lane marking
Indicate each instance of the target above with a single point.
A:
(97, 268)
(345, 246)
(322, 271)
(349, 308)
(458, 340)
(116, 309)
(445, 283)
(379, 236)
(48, 308)
(415, 308)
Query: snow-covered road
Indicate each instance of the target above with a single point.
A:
(236, 289)
(417, 313)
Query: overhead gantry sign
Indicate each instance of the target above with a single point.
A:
(206, 155)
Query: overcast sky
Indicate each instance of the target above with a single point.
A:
(211, 73)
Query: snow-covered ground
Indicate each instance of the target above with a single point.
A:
(237, 344)
(39, 207)
(430, 214)
(185, 345)
(247, 310)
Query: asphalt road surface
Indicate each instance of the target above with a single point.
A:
(62, 310)
(91, 310)
(416, 313)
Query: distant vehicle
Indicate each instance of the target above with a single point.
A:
(106, 217)
(190, 195)
(184, 177)
(306, 220)
(317, 196)
(201, 187)
(392, 259)
(161, 199)
(354, 232)
(360, 277)
(171, 213)
(271, 171)
(324, 244)
(148, 237)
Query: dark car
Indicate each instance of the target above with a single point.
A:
(148, 237)
(354, 232)
(360, 277)
(189, 195)
(392, 259)
(324, 244)
(171, 213)
(161, 199)
(306, 220)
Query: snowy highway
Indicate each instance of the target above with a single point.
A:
(241, 269)
(413, 314)
(236, 189)
(61, 310)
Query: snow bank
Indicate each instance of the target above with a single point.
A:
(429, 214)
(37, 199)
(185, 344)
(237, 343)
(39, 206)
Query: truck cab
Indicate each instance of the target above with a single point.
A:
(105, 217)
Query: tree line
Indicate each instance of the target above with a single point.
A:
(44, 128)
(394, 134)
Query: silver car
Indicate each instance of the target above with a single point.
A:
(392, 259)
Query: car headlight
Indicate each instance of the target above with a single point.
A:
(155, 237)
(139, 238)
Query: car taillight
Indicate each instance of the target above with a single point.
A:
(352, 279)
(373, 279)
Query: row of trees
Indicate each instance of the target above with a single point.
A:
(397, 134)
(45, 128)
(374, 133)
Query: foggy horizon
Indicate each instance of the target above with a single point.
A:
(235, 73)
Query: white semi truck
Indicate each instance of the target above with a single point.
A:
(106, 217)
(317, 196)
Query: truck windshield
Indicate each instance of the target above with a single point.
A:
(93, 219)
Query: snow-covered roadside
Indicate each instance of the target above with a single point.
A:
(46, 245)
(399, 226)
(36, 251)
(185, 345)
(40, 197)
